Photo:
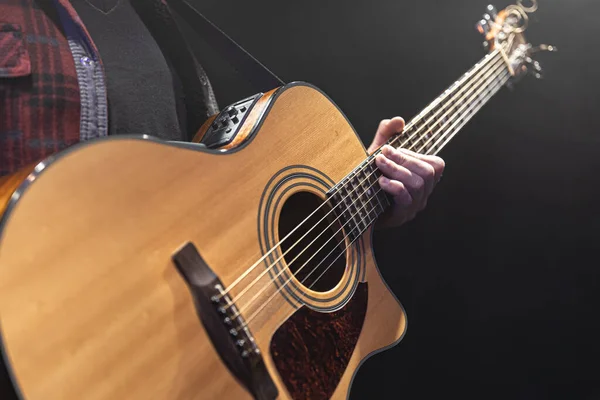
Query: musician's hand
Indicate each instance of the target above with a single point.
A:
(408, 176)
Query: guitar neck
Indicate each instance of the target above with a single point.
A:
(427, 133)
(434, 127)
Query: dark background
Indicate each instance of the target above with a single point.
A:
(499, 275)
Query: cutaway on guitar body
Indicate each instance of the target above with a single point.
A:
(279, 199)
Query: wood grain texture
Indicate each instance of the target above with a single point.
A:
(91, 304)
(384, 325)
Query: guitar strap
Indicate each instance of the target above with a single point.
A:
(255, 72)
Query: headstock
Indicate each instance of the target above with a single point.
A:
(504, 31)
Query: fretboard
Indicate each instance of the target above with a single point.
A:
(440, 121)
(358, 200)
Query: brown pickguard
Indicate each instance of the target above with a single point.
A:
(311, 350)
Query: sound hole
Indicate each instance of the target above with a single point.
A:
(315, 251)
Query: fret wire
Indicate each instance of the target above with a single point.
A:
(371, 220)
(453, 129)
(360, 206)
(370, 160)
(475, 68)
(491, 92)
(463, 119)
(459, 114)
(349, 190)
(489, 96)
(381, 195)
(451, 105)
(429, 119)
(371, 188)
(460, 82)
(373, 177)
(428, 129)
(367, 225)
(364, 191)
(461, 104)
(467, 81)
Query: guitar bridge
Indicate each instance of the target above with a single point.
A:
(224, 324)
(235, 322)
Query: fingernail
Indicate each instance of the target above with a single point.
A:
(385, 180)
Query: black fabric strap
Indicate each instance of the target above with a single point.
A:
(250, 67)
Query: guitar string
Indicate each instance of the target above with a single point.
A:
(435, 104)
(270, 267)
(505, 78)
(274, 263)
(255, 314)
(350, 220)
(433, 118)
(239, 296)
(325, 230)
(252, 300)
(452, 127)
(433, 137)
(510, 41)
(492, 93)
(469, 75)
(452, 135)
(497, 87)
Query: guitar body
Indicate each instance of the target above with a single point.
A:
(92, 305)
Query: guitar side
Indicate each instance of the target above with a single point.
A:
(91, 305)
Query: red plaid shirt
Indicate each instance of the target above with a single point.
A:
(42, 86)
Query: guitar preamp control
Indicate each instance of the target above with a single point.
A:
(226, 125)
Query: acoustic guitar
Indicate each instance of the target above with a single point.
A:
(239, 266)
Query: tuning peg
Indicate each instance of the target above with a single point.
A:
(492, 12)
(543, 47)
(483, 27)
(535, 68)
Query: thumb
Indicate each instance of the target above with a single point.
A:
(387, 128)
